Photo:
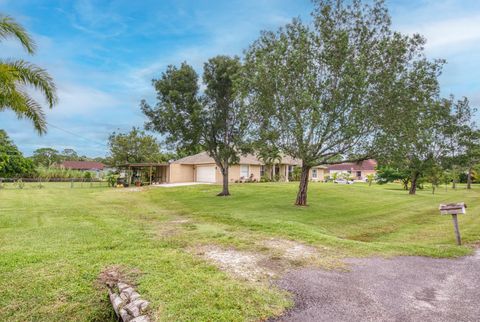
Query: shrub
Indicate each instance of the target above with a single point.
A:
(20, 184)
(112, 179)
(296, 173)
(265, 178)
(88, 176)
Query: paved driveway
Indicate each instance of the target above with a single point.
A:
(180, 184)
(398, 289)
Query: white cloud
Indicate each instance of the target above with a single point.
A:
(76, 100)
(451, 34)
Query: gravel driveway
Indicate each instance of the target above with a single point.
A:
(398, 289)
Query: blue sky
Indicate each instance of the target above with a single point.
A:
(103, 54)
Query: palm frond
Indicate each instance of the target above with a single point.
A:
(29, 74)
(10, 28)
(24, 107)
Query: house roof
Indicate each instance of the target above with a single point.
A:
(82, 165)
(354, 166)
(204, 158)
(143, 164)
(286, 159)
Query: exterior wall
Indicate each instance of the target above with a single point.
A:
(234, 173)
(364, 173)
(187, 173)
(180, 173)
(321, 174)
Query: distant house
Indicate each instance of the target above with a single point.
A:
(356, 170)
(96, 168)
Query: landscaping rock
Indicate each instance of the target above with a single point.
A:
(122, 286)
(132, 309)
(128, 305)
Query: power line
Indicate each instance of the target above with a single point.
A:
(76, 134)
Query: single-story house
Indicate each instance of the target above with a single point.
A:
(356, 170)
(202, 168)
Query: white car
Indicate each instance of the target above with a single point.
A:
(343, 181)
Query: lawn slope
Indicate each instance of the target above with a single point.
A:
(55, 241)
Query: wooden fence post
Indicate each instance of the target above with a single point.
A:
(457, 231)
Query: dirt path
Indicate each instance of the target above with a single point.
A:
(398, 289)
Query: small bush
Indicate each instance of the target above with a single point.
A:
(265, 178)
(112, 179)
(20, 184)
(88, 176)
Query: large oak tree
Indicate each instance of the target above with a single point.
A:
(214, 120)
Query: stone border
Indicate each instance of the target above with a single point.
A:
(127, 303)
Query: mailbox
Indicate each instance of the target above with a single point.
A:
(453, 208)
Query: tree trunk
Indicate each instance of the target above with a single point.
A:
(225, 192)
(454, 184)
(413, 187)
(469, 178)
(302, 189)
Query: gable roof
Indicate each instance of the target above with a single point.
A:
(82, 165)
(286, 159)
(354, 166)
(204, 158)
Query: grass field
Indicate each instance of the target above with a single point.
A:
(55, 241)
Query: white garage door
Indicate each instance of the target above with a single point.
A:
(206, 174)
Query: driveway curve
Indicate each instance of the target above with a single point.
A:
(397, 289)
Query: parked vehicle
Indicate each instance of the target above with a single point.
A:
(343, 181)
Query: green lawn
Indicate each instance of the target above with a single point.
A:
(55, 241)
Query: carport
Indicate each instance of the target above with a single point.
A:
(154, 172)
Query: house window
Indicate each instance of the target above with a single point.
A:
(290, 170)
(359, 174)
(244, 170)
(314, 173)
(262, 170)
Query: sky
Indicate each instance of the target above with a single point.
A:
(103, 55)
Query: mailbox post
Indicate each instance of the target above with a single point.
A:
(454, 209)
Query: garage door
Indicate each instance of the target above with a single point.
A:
(206, 174)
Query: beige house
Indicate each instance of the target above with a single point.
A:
(202, 168)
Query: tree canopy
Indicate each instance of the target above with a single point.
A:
(12, 162)
(324, 90)
(215, 121)
(134, 147)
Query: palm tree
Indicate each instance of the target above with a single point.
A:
(17, 75)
